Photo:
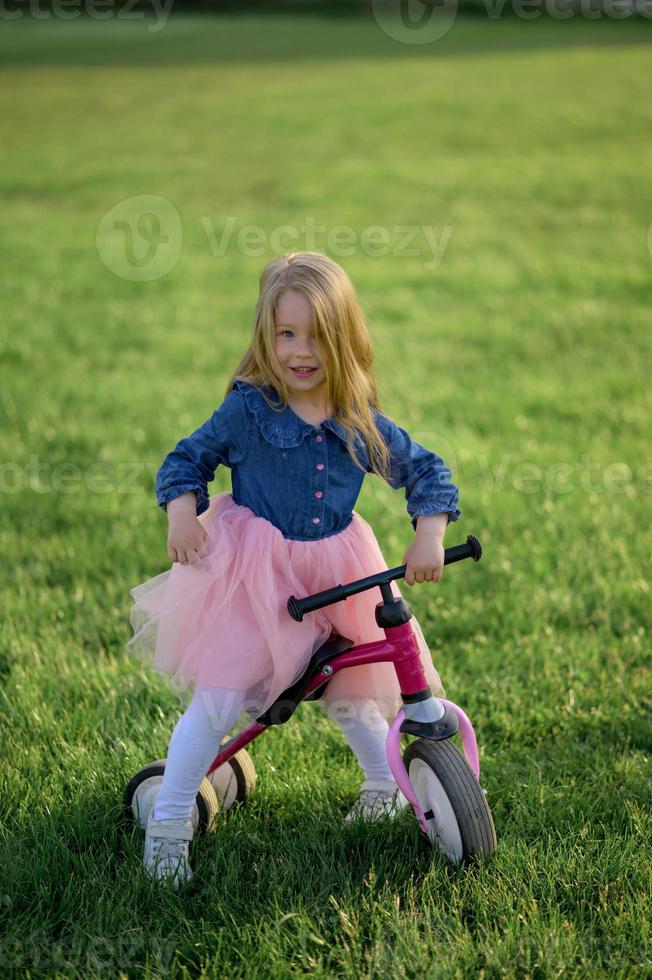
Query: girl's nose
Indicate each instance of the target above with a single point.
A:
(307, 349)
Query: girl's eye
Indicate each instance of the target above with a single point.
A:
(288, 331)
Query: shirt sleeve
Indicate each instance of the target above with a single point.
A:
(191, 465)
(422, 473)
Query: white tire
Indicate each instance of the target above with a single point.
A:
(459, 820)
(142, 792)
(234, 781)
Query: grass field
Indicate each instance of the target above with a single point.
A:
(522, 355)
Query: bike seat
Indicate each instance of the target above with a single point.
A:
(286, 703)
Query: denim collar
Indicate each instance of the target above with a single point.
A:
(283, 428)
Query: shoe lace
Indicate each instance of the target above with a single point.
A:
(169, 847)
(373, 797)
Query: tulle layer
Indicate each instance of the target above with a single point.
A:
(222, 621)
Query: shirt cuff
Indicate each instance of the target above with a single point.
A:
(165, 496)
(430, 508)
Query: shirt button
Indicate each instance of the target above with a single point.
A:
(318, 494)
(318, 438)
(320, 466)
(315, 520)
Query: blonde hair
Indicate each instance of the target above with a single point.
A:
(343, 334)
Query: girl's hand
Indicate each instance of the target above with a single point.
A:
(186, 539)
(425, 561)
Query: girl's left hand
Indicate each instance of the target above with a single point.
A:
(424, 560)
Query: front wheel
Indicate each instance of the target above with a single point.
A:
(459, 820)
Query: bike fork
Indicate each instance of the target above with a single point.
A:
(431, 715)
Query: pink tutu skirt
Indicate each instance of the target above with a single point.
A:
(222, 621)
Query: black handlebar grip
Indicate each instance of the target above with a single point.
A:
(298, 607)
(471, 549)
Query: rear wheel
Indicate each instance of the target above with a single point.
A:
(234, 781)
(142, 791)
(459, 820)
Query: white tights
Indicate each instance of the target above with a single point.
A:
(365, 730)
(198, 734)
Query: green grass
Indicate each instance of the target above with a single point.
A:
(527, 346)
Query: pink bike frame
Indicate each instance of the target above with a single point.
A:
(399, 647)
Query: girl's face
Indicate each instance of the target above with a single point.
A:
(296, 346)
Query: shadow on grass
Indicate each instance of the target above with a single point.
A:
(74, 891)
(280, 868)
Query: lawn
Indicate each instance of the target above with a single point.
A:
(518, 347)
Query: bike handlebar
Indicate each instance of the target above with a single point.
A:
(298, 607)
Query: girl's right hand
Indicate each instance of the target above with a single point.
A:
(186, 540)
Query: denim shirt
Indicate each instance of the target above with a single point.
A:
(296, 475)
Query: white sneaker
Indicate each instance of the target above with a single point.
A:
(166, 850)
(378, 799)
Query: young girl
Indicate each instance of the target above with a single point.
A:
(299, 427)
